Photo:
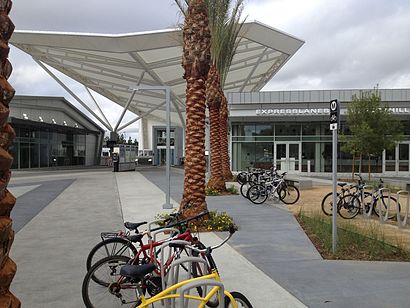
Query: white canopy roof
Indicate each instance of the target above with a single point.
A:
(112, 65)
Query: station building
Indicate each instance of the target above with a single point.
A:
(290, 129)
(51, 132)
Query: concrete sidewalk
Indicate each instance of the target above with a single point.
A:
(271, 239)
(142, 200)
(270, 259)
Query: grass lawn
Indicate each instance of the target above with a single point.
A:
(352, 244)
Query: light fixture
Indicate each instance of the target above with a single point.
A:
(75, 125)
(65, 123)
(25, 117)
(40, 118)
(53, 121)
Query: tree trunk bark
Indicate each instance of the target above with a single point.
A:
(353, 167)
(213, 98)
(7, 134)
(196, 61)
(226, 169)
(368, 166)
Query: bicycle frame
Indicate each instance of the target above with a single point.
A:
(167, 293)
(142, 252)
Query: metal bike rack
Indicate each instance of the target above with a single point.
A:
(154, 222)
(202, 283)
(402, 223)
(173, 231)
(367, 214)
(380, 203)
(171, 276)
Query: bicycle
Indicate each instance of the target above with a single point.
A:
(145, 252)
(102, 272)
(369, 202)
(135, 277)
(286, 192)
(327, 201)
(250, 177)
(123, 243)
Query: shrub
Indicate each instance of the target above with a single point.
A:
(232, 189)
(217, 221)
(212, 191)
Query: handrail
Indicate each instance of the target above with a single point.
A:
(402, 223)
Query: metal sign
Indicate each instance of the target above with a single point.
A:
(334, 114)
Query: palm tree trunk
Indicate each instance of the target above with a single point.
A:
(196, 60)
(7, 200)
(213, 97)
(226, 169)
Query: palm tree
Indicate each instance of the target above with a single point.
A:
(7, 200)
(224, 23)
(195, 60)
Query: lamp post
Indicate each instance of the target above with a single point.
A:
(167, 204)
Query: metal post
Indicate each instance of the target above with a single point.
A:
(334, 181)
(168, 204)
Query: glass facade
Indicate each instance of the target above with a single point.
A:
(303, 147)
(37, 146)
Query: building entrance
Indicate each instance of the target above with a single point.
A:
(162, 156)
(287, 156)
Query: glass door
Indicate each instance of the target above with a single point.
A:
(287, 156)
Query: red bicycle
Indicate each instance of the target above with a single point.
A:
(104, 276)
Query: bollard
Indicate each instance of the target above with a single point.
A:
(402, 223)
(368, 213)
(380, 203)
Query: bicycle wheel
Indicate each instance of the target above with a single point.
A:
(289, 194)
(392, 208)
(241, 178)
(257, 194)
(109, 295)
(327, 204)
(240, 299)
(349, 206)
(110, 247)
(244, 189)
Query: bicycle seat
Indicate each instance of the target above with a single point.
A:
(342, 184)
(133, 225)
(137, 272)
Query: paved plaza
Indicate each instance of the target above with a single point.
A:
(59, 215)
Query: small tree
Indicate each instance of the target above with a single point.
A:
(372, 125)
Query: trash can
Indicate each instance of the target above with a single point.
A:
(115, 162)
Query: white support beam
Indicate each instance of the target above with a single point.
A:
(154, 76)
(98, 106)
(106, 125)
(141, 116)
(253, 69)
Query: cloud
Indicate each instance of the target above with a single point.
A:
(349, 44)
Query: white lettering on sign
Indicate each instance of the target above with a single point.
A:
(315, 111)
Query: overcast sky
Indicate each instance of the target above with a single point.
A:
(349, 43)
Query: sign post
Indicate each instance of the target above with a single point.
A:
(334, 122)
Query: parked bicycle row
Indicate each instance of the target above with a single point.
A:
(353, 199)
(258, 185)
(166, 263)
